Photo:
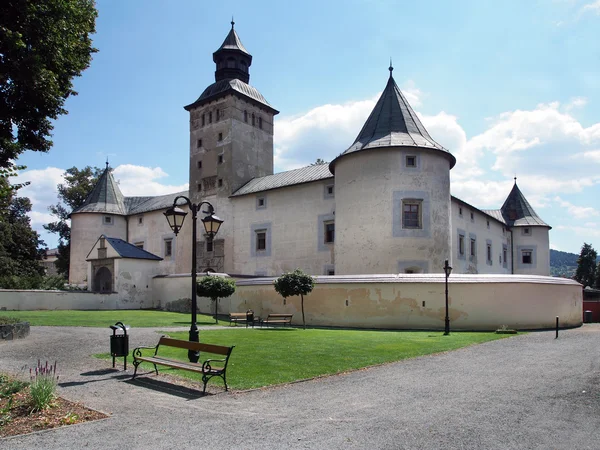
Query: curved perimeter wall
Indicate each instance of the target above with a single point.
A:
(476, 302)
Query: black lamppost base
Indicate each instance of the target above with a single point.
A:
(194, 356)
(447, 327)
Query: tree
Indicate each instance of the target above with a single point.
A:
(44, 44)
(215, 287)
(597, 284)
(318, 162)
(586, 265)
(71, 194)
(21, 249)
(295, 283)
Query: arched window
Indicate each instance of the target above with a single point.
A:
(103, 280)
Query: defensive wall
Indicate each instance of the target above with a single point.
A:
(403, 301)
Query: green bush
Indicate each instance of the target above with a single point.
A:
(215, 287)
(44, 282)
(295, 283)
(7, 320)
(43, 386)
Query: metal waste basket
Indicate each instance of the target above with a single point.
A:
(119, 343)
(588, 316)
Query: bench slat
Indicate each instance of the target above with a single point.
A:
(195, 346)
(179, 364)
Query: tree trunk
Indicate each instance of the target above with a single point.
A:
(302, 304)
(216, 309)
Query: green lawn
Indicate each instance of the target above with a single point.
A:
(272, 356)
(135, 318)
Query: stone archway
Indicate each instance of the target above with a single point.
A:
(103, 280)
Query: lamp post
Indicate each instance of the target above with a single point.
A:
(175, 217)
(447, 271)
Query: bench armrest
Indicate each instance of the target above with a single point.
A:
(206, 367)
(138, 350)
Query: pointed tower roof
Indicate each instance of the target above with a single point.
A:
(106, 197)
(393, 123)
(517, 211)
(233, 42)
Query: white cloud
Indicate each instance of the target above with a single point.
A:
(584, 233)
(593, 7)
(592, 155)
(140, 181)
(575, 103)
(578, 212)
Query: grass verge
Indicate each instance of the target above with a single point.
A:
(136, 318)
(264, 357)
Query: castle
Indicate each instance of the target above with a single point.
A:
(382, 206)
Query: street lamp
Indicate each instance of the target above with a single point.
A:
(447, 271)
(212, 223)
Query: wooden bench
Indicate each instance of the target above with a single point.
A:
(242, 317)
(277, 319)
(207, 369)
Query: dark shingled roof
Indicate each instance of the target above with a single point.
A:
(283, 179)
(517, 211)
(106, 197)
(233, 42)
(393, 123)
(232, 86)
(127, 250)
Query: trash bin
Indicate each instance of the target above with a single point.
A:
(119, 343)
(249, 318)
(588, 316)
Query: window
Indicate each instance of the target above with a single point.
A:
(203, 119)
(108, 220)
(411, 161)
(331, 272)
(489, 252)
(210, 117)
(411, 214)
(527, 231)
(330, 190)
(199, 164)
(220, 182)
(140, 220)
(526, 254)
(260, 202)
(218, 114)
(260, 123)
(473, 247)
(261, 240)
(504, 252)
(220, 136)
(209, 246)
(253, 120)
(461, 245)
(139, 245)
(168, 247)
(246, 116)
(199, 187)
(488, 224)
(460, 211)
(199, 143)
(329, 232)
(220, 159)
(472, 217)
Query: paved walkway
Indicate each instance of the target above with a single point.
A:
(527, 392)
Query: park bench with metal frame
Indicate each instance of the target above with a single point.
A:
(247, 317)
(208, 369)
(277, 319)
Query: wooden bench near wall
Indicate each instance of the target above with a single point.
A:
(277, 319)
(208, 368)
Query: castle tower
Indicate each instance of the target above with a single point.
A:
(231, 141)
(530, 235)
(392, 188)
(102, 213)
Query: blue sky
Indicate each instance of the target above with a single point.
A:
(508, 87)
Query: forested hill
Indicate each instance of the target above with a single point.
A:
(563, 264)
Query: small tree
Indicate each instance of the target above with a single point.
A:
(215, 288)
(597, 285)
(586, 266)
(295, 283)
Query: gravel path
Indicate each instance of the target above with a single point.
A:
(527, 392)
